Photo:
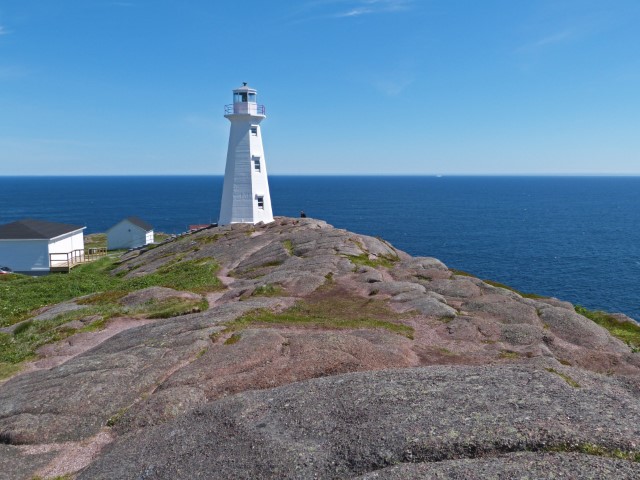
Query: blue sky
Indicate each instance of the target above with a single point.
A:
(350, 86)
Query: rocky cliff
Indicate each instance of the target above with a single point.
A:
(323, 354)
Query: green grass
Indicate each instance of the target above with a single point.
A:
(628, 332)
(509, 354)
(331, 311)
(288, 246)
(171, 307)
(462, 273)
(20, 295)
(235, 338)
(8, 369)
(597, 450)
(206, 239)
(198, 276)
(565, 377)
(95, 240)
(115, 418)
(22, 344)
(24, 294)
(364, 260)
(94, 326)
(103, 298)
(159, 237)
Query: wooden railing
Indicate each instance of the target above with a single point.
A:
(94, 253)
(64, 262)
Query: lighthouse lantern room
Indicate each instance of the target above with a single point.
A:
(245, 192)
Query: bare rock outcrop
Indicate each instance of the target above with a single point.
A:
(330, 355)
(352, 424)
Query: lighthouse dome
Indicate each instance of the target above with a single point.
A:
(244, 88)
(244, 94)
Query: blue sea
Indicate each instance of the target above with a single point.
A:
(575, 238)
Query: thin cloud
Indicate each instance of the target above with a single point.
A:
(367, 7)
(326, 9)
(3, 31)
(558, 37)
(392, 86)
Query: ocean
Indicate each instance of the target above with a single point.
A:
(575, 238)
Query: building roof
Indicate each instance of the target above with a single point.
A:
(138, 222)
(244, 88)
(30, 229)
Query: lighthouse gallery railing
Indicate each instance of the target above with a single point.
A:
(244, 108)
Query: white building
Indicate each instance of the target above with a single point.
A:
(131, 232)
(245, 193)
(37, 246)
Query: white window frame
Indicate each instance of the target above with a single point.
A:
(260, 199)
(257, 163)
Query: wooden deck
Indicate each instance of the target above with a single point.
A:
(64, 262)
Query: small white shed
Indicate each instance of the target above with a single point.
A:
(34, 246)
(131, 232)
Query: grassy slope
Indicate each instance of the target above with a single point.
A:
(21, 295)
(628, 332)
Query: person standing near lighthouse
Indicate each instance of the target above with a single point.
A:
(245, 192)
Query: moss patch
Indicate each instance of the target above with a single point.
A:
(332, 310)
(462, 273)
(564, 376)
(288, 246)
(233, 339)
(171, 307)
(115, 418)
(204, 240)
(509, 354)
(628, 332)
(380, 261)
(597, 450)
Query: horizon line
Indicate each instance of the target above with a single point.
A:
(437, 175)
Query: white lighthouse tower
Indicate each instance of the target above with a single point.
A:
(245, 194)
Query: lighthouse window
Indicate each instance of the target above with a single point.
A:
(252, 97)
(254, 130)
(260, 202)
(256, 164)
(240, 97)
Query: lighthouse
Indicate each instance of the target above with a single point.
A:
(245, 193)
